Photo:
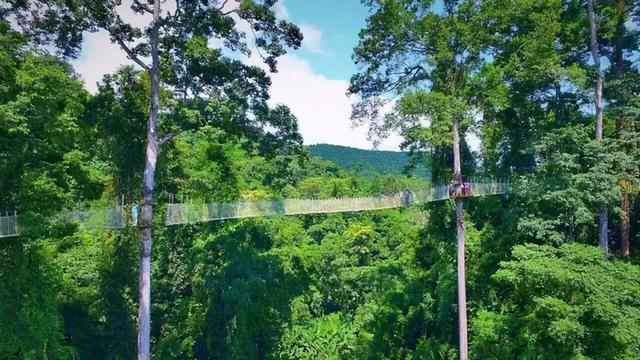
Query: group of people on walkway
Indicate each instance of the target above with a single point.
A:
(459, 189)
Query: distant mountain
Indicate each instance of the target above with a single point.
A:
(366, 162)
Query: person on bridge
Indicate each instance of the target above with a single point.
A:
(466, 189)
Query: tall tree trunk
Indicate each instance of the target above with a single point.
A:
(624, 225)
(618, 69)
(603, 227)
(603, 216)
(146, 221)
(462, 288)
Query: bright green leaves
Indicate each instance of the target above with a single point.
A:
(489, 88)
(551, 201)
(273, 35)
(565, 302)
(324, 338)
(47, 112)
(526, 32)
(575, 176)
(488, 330)
(44, 166)
(205, 166)
(577, 76)
(427, 117)
(31, 323)
(559, 321)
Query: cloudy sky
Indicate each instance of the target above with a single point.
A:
(312, 81)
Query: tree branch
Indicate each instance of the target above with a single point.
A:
(255, 39)
(165, 139)
(121, 42)
(143, 6)
(230, 12)
(223, 5)
(178, 10)
(131, 55)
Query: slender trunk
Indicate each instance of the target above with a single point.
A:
(603, 222)
(595, 53)
(624, 225)
(146, 238)
(462, 288)
(560, 114)
(618, 69)
(618, 64)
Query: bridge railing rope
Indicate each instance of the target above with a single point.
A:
(95, 218)
(112, 217)
(9, 224)
(188, 213)
(116, 217)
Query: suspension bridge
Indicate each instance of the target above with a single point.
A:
(121, 216)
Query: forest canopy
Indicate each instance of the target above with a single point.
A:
(519, 74)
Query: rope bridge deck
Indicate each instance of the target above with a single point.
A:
(115, 217)
(188, 213)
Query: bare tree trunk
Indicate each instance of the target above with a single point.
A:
(146, 219)
(624, 225)
(603, 215)
(603, 227)
(462, 288)
(618, 68)
(595, 53)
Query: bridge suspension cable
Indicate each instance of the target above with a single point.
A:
(117, 217)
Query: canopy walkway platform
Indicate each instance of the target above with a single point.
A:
(117, 217)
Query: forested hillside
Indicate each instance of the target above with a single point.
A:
(550, 270)
(370, 162)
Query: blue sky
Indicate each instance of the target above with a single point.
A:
(339, 22)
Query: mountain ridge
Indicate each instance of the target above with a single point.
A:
(367, 162)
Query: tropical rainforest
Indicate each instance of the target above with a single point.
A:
(550, 87)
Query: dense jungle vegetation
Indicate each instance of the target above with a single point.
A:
(371, 162)
(369, 285)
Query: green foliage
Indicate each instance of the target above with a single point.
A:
(324, 338)
(31, 323)
(367, 285)
(118, 113)
(44, 167)
(368, 162)
(428, 59)
(97, 294)
(576, 174)
(562, 302)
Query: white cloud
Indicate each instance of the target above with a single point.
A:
(321, 105)
(99, 57)
(312, 39)
(281, 10)
(473, 141)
